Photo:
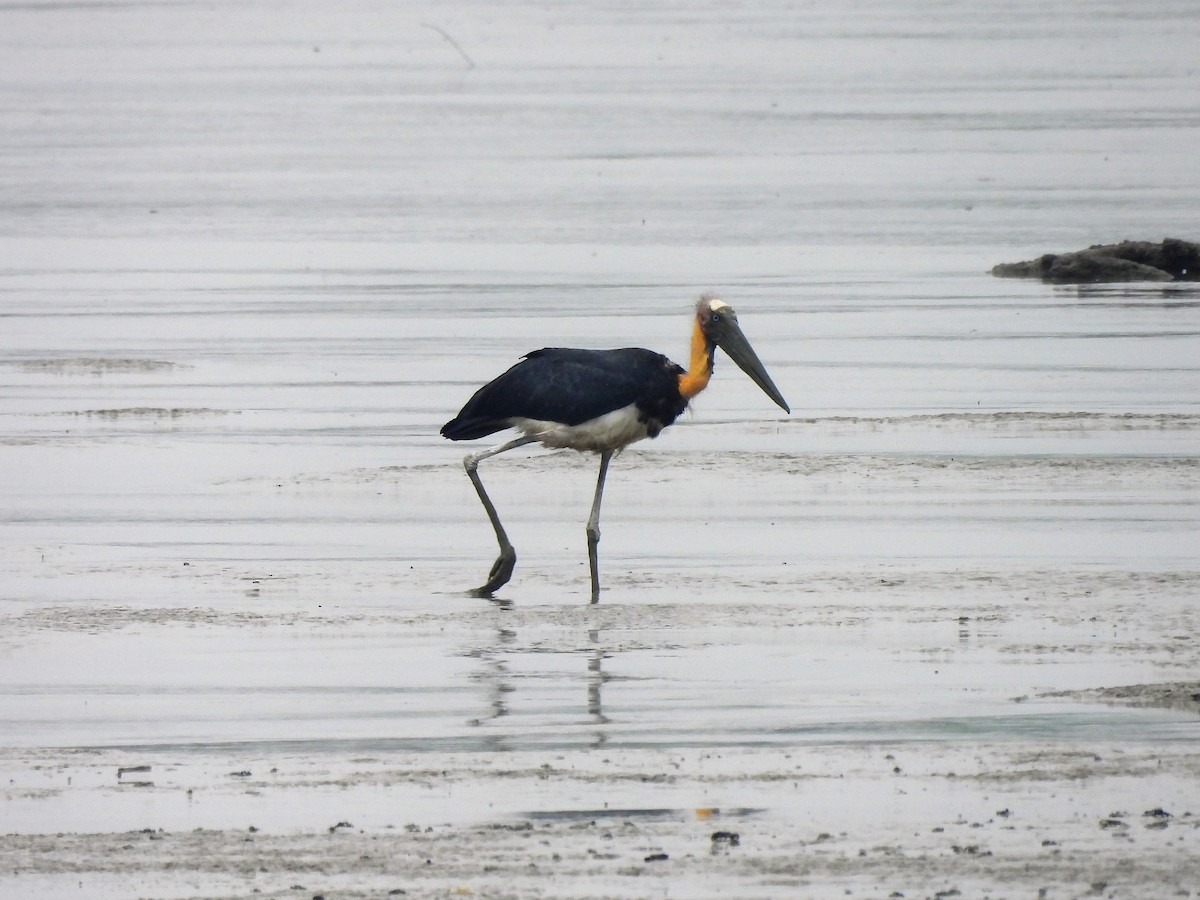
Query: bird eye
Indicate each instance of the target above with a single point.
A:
(715, 318)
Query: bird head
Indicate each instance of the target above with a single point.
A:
(719, 324)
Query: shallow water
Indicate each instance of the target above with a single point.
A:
(252, 262)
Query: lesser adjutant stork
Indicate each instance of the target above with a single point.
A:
(597, 400)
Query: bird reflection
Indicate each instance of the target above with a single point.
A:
(595, 682)
(500, 683)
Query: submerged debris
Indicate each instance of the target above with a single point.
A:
(123, 771)
(98, 365)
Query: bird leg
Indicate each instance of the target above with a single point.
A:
(593, 525)
(502, 568)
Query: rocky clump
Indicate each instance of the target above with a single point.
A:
(1171, 260)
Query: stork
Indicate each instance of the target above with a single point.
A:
(599, 401)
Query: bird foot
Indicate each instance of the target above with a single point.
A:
(501, 572)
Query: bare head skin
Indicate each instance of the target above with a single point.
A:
(717, 326)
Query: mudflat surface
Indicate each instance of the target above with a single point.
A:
(934, 634)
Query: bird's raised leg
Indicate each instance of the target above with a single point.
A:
(502, 568)
(593, 526)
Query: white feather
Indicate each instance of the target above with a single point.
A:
(610, 431)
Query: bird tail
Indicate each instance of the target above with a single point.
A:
(469, 428)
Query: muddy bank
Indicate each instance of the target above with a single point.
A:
(899, 820)
(1184, 696)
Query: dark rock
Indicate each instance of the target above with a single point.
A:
(1170, 260)
(1179, 259)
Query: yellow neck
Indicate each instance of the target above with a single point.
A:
(700, 366)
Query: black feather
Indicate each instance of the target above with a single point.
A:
(573, 386)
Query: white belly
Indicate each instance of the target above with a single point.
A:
(610, 431)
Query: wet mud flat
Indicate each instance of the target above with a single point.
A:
(879, 729)
(883, 727)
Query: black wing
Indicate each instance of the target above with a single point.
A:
(571, 387)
